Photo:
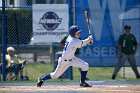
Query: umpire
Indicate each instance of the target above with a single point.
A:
(127, 50)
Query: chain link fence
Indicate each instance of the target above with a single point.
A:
(18, 35)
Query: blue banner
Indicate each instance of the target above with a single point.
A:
(108, 18)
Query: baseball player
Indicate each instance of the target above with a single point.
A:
(127, 51)
(76, 52)
(68, 58)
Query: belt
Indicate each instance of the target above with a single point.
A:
(67, 59)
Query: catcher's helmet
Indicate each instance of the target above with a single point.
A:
(73, 29)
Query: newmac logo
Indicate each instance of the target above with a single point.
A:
(50, 21)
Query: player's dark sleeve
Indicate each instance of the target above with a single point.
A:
(135, 41)
(77, 51)
(120, 40)
(63, 40)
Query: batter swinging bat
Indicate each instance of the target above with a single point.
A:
(88, 21)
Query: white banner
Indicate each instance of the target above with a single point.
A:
(50, 23)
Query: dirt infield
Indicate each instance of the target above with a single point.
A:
(111, 88)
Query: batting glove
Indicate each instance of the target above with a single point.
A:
(90, 37)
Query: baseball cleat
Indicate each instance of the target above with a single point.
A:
(138, 77)
(113, 77)
(40, 82)
(86, 78)
(84, 84)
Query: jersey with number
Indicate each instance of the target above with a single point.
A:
(71, 45)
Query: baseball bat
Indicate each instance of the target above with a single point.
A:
(88, 21)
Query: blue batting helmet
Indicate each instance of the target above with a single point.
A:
(73, 29)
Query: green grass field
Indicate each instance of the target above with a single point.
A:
(95, 73)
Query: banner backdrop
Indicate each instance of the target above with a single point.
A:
(50, 23)
(108, 18)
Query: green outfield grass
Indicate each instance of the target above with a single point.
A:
(36, 70)
(95, 73)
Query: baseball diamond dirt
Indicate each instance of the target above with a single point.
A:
(98, 87)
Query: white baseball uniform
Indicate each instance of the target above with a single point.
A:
(68, 58)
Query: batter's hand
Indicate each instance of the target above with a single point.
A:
(91, 39)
